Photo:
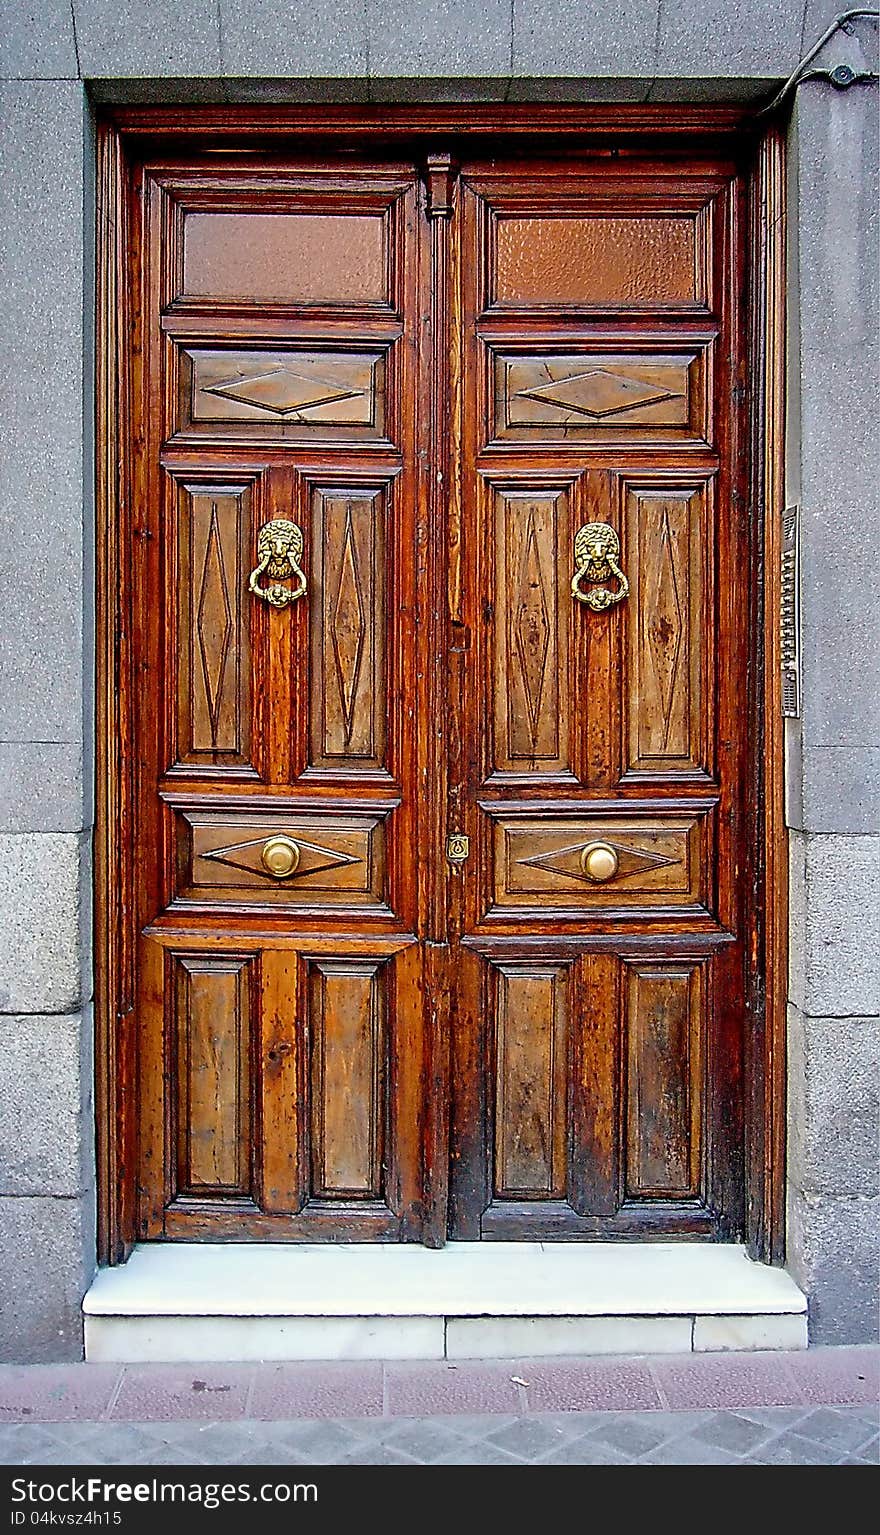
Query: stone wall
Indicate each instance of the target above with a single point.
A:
(54, 58)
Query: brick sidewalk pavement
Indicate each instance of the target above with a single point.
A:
(814, 1407)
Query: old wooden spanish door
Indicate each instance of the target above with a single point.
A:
(439, 610)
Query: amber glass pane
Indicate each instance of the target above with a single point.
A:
(288, 257)
(639, 261)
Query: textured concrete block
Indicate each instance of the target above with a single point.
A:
(46, 1117)
(36, 41)
(283, 37)
(729, 37)
(347, 92)
(163, 37)
(835, 925)
(554, 37)
(239, 91)
(41, 787)
(834, 1104)
(570, 88)
(41, 446)
(438, 37)
(438, 89)
(44, 923)
(834, 1254)
(835, 256)
(713, 90)
(839, 789)
(47, 1263)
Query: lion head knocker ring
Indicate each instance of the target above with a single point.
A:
(596, 553)
(279, 549)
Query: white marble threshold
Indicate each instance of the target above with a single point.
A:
(469, 1300)
(464, 1279)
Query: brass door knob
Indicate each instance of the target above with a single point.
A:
(280, 857)
(599, 861)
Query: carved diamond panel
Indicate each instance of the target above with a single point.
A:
(652, 397)
(212, 681)
(658, 859)
(339, 861)
(313, 858)
(668, 632)
(338, 391)
(531, 632)
(214, 623)
(596, 393)
(531, 629)
(630, 860)
(348, 628)
(663, 622)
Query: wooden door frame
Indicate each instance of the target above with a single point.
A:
(122, 135)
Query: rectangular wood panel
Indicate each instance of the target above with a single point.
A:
(634, 396)
(213, 639)
(213, 1020)
(645, 262)
(349, 626)
(287, 394)
(667, 618)
(664, 1023)
(339, 859)
(544, 862)
(302, 258)
(531, 684)
(348, 1078)
(531, 1075)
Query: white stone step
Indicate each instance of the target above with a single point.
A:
(470, 1300)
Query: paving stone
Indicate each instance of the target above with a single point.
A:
(426, 1441)
(589, 1384)
(586, 1451)
(528, 1438)
(56, 1393)
(318, 1391)
(728, 1380)
(324, 1443)
(794, 1449)
(477, 1455)
(378, 1455)
(828, 1425)
(776, 1418)
(870, 1452)
(174, 1392)
(475, 1425)
(688, 1451)
(20, 1441)
(423, 1389)
(728, 1431)
(631, 1438)
(835, 1376)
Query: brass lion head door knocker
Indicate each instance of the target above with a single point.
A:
(279, 550)
(596, 554)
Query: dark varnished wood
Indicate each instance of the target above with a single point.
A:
(623, 726)
(420, 1048)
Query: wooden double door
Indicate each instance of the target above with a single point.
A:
(438, 603)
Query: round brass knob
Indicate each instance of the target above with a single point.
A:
(599, 861)
(280, 857)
